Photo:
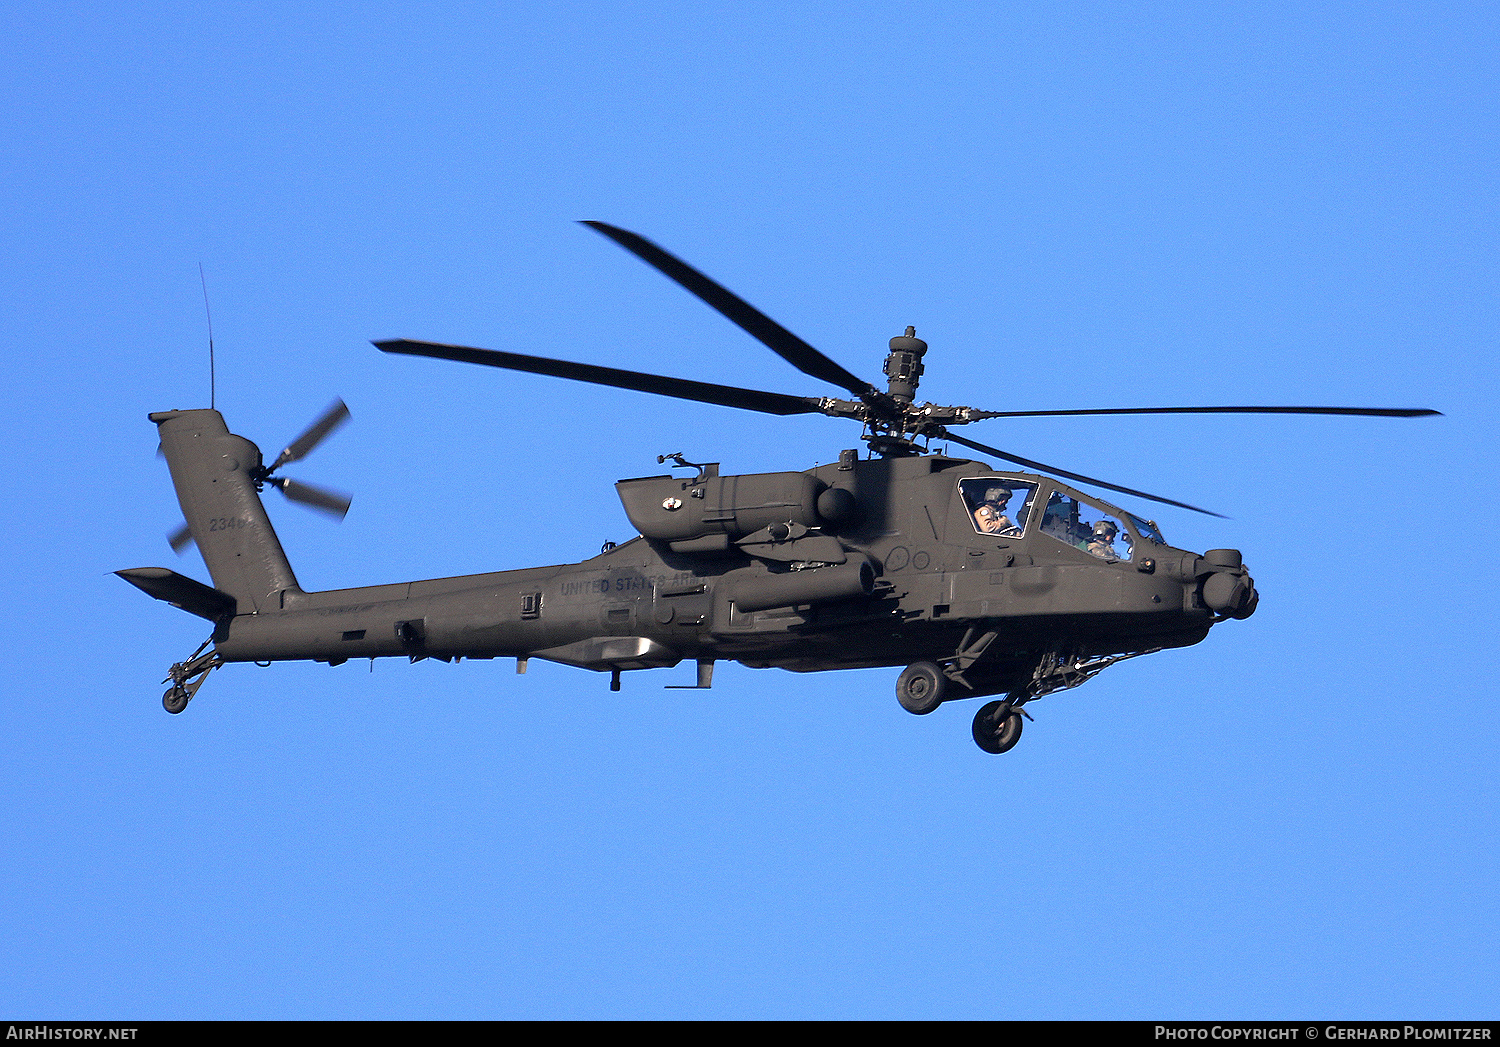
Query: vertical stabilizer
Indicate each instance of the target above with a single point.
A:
(214, 473)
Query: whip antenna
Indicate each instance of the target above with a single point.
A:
(204, 281)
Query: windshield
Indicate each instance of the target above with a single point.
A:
(997, 505)
(1146, 529)
(1088, 527)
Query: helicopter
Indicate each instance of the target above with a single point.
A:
(1007, 584)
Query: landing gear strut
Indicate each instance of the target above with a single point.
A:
(923, 686)
(186, 677)
(997, 726)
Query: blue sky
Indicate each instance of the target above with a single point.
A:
(1075, 205)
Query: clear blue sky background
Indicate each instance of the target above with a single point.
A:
(1077, 206)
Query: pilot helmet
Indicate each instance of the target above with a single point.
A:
(1105, 528)
(997, 494)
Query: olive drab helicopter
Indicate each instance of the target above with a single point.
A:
(979, 583)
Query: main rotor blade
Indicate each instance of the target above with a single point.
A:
(681, 388)
(316, 433)
(760, 326)
(321, 498)
(1379, 412)
(1053, 470)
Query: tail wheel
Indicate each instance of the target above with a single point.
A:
(921, 688)
(176, 699)
(997, 727)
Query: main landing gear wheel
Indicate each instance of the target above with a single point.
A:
(921, 688)
(997, 727)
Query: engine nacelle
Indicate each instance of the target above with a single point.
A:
(673, 509)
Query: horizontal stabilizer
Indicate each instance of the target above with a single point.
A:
(180, 591)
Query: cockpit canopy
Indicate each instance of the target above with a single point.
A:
(1006, 506)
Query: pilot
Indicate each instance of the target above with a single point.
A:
(1102, 541)
(990, 517)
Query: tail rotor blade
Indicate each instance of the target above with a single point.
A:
(180, 539)
(334, 503)
(316, 433)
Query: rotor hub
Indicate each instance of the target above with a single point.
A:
(904, 366)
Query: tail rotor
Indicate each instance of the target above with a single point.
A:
(325, 500)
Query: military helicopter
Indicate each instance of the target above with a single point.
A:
(979, 583)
